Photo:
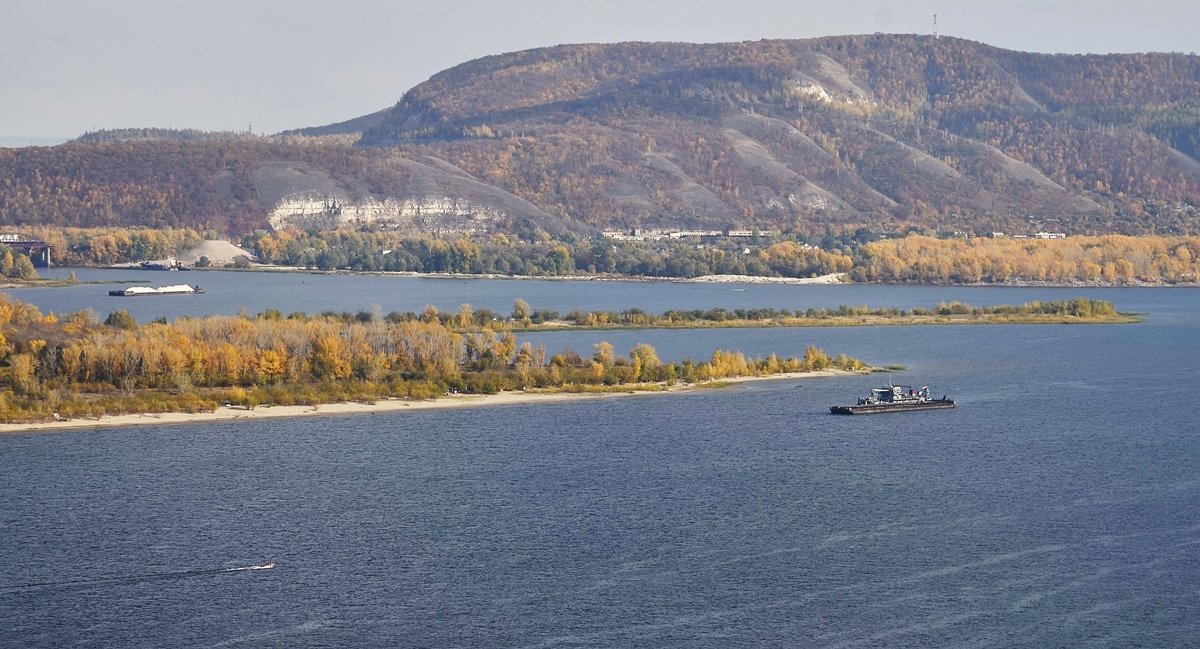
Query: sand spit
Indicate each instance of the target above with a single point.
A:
(226, 413)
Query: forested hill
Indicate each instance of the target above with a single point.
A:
(844, 129)
(886, 131)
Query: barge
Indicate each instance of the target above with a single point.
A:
(894, 398)
(176, 289)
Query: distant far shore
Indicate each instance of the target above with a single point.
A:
(832, 278)
(829, 279)
(226, 413)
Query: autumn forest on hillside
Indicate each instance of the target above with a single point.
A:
(886, 132)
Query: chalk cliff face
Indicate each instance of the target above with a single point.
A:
(425, 214)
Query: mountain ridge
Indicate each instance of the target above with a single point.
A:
(885, 131)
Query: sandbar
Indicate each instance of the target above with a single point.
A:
(226, 413)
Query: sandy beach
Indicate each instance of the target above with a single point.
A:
(832, 278)
(390, 405)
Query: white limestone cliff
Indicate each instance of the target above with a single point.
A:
(422, 214)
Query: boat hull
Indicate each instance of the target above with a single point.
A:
(873, 408)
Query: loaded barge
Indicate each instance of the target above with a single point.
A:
(894, 398)
(176, 289)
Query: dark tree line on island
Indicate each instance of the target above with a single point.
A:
(1036, 311)
(76, 366)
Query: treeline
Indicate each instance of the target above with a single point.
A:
(915, 258)
(113, 245)
(398, 252)
(526, 317)
(76, 366)
(1111, 259)
(499, 254)
(389, 251)
(1080, 307)
(172, 134)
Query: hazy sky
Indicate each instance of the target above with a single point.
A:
(70, 66)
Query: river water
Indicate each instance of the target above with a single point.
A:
(1056, 506)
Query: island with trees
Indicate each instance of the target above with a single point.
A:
(1072, 311)
(74, 366)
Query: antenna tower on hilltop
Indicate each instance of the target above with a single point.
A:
(935, 27)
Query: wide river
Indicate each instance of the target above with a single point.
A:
(1057, 506)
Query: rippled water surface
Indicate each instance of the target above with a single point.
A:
(1056, 506)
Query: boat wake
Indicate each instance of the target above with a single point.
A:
(262, 566)
(132, 578)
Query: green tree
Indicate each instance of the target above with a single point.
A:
(558, 260)
(521, 311)
(121, 319)
(23, 268)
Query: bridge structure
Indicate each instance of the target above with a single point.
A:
(37, 250)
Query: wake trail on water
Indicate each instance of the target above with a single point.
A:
(136, 577)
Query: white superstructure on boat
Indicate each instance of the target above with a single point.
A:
(174, 289)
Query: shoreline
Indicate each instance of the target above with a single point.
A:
(822, 280)
(226, 413)
(832, 278)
